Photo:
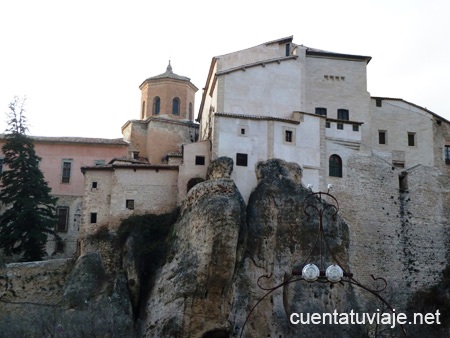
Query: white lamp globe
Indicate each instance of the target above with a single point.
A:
(310, 272)
(334, 273)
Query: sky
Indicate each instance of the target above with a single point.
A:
(80, 63)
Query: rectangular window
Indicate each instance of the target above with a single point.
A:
(93, 217)
(379, 102)
(382, 139)
(242, 131)
(343, 114)
(321, 111)
(129, 204)
(288, 136)
(411, 139)
(62, 216)
(94, 185)
(241, 159)
(447, 154)
(327, 124)
(340, 126)
(199, 160)
(1, 165)
(355, 127)
(66, 169)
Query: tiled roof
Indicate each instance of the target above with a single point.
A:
(77, 140)
(169, 74)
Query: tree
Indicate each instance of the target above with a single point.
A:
(30, 209)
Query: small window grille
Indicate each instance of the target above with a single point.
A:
(288, 136)
(241, 159)
(129, 204)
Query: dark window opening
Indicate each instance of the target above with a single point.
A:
(343, 114)
(129, 204)
(191, 116)
(94, 185)
(447, 154)
(355, 127)
(335, 166)
(1, 165)
(321, 111)
(411, 139)
(176, 106)
(62, 215)
(241, 159)
(93, 217)
(67, 167)
(199, 160)
(288, 49)
(381, 137)
(156, 105)
(340, 126)
(288, 136)
(327, 124)
(242, 131)
(379, 102)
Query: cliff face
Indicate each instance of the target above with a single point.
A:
(209, 285)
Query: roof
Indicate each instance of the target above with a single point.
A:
(257, 117)
(169, 74)
(324, 53)
(76, 140)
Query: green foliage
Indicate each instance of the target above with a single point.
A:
(30, 214)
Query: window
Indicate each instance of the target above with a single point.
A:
(382, 139)
(176, 106)
(447, 154)
(93, 217)
(129, 204)
(191, 117)
(288, 136)
(241, 159)
(343, 114)
(335, 166)
(62, 215)
(1, 165)
(288, 49)
(340, 126)
(143, 110)
(327, 124)
(379, 102)
(411, 139)
(66, 169)
(156, 105)
(199, 160)
(94, 185)
(355, 127)
(321, 111)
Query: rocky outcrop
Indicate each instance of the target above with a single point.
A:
(192, 293)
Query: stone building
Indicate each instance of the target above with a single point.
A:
(62, 158)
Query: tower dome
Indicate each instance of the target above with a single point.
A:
(168, 95)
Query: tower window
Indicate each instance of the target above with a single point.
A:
(93, 217)
(143, 110)
(176, 106)
(156, 105)
(335, 166)
(343, 114)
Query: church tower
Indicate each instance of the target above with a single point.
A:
(166, 120)
(168, 95)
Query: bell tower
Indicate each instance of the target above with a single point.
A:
(168, 95)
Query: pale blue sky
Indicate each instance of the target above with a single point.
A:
(80, 62)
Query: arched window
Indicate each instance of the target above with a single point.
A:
(143, 110)
(191, 117)
(176, 106)
(156, 105)
(335, 166)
